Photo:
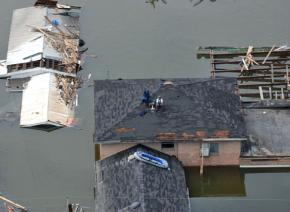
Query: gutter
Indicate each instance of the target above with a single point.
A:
(263, 166)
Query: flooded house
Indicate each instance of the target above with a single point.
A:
(199, 122)
(262, 84)
(132, 185)
(43, 60)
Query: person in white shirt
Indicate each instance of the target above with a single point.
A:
(159, 102)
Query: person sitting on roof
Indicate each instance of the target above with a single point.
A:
(146, 99)
(158, 102)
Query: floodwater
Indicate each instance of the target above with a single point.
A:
(133, 40)
(232, 189)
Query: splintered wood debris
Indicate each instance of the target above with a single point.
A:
(262, 73)
(67, 46)
(68, 88)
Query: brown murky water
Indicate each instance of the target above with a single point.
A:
(133, 40)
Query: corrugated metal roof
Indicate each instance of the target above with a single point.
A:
(42, 104)
(27, 44)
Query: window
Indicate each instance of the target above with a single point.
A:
(35, 64)
(28, 65)
(168, 145)
(214, 148)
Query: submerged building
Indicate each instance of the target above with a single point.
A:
(122, 184)
(43, 59)
(200, 122)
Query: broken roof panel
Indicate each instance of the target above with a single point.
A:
(28, 44)
(200, 107)
(120, 182)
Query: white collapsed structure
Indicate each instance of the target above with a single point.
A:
(43, 62)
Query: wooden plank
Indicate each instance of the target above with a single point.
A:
(266, 76)
(287, 75)
(213, 67)
(254, 54)
(268, 55)
(222, 70)
(254, 71)
(49, 21)
(249, 86)
(282, 93)
(269, 61)
(13, 203)
(255, 95)
(253, 68)
(261, 93)
(272, 73)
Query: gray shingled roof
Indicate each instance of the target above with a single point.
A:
(190, 105)
(119, 183)
(269, 128)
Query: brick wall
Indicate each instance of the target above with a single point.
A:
(187, 152)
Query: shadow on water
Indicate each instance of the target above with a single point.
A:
(45, 128)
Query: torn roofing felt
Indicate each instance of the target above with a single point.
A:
(120, 182)
(190, 106)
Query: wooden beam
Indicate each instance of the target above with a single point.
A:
(13, 203)
(265, 76)
(272, 73)
(249, 86)
(254, 54)
(213, 67)
(260, 95)
(49, 21)
(269, 61)
(268, 55)
(287, 75)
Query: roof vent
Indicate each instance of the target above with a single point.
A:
(168, 83)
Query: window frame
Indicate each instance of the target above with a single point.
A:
(214, 148)
(170, 145)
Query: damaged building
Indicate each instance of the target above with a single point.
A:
(200, 121)
(262, 75)
(43, 61)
